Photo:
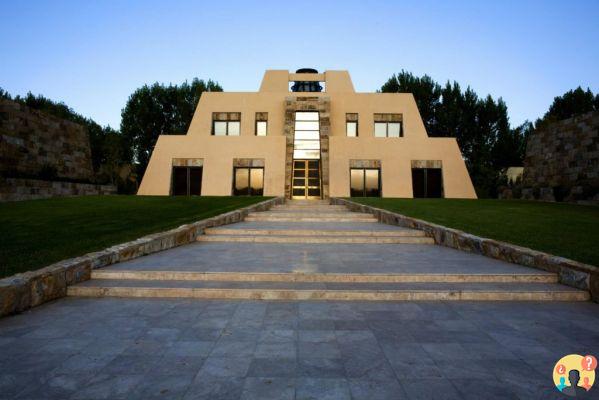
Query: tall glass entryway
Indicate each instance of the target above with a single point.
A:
(306, 182)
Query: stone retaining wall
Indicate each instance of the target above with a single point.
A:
(23, 291)
(13, 189)
(31, 140)
(570, 272)
(562, 160)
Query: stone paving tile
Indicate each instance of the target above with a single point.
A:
(376, 390)
(226, 347)
(159, 387)
(488, 389)
(273, 367)
(60, 386)
(277, 350)
(104, 386)
(433, 389)
(128, 364)
(224, 367)
(209, 388)
(326, 349)
(321, 368)
(277, 336)
(462, 350)
(190, 348)
(268, 389)
(322, 389)
(84, 363)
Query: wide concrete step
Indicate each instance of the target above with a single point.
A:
(315, 232)
(309, 218)
(297, 202)
(309, 208)
(315, 239)
(234, 276)
(344, 214)
(328, 291)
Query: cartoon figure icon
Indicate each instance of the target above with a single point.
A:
(574, 390)
(586, 385)
(562, 383)
(574, 375)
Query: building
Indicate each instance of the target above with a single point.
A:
(307, 135)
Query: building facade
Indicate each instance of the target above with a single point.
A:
(307, 135)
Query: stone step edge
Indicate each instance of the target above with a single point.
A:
(320, 277)
(308, 207)
(315, 232)
(308, 219)
(336, 214)
(319, 294)
(316, 239)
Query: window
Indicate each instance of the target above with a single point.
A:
(261, 123)
(365, 182)
(351, 124)
(306, 142)
(427, 182)
(388, 125)
(387, 129)
(248, 181)
(226, 124)
(186, 181)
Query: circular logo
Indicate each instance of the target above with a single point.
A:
(574, 375)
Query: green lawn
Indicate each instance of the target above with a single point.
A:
(37, 233)
(567, 230)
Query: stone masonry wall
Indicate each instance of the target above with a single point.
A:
(31, 140)
(12, 189)
(562, 160)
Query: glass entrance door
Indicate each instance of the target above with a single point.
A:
(306, 179)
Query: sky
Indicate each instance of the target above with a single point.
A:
(93, 54)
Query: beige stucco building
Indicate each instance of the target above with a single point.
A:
(307, 135)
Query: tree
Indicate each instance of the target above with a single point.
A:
(480, 125)
(160, 110)
(573, 102)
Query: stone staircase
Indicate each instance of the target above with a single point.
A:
(310, 250)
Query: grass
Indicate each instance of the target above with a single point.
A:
(36, 233)
(566, 230)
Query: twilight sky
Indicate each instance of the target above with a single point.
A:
(93, 54)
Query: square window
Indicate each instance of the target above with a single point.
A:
(233, 128)
(352, 129)
(220, 128)
(394, 129)
(380, 129)
(260, 128)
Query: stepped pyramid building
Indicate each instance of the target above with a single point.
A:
(307, 135)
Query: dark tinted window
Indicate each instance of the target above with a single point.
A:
(365, 182)
(427, 182)
(186, 181)
(195, 181)
(248, 181)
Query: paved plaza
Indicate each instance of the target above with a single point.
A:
(103, 347)
(110, 348)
